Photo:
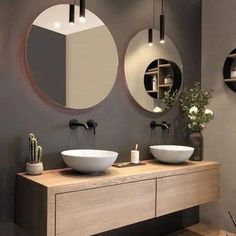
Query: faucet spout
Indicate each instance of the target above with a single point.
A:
(74, 124)
(164, 125)
(85, 126)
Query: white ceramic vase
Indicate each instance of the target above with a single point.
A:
(34, 169)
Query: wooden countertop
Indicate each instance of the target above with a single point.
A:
(64, 180)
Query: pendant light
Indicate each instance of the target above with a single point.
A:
(72, 14)
(162, 23)
(150, 31)
(150, 37)
(82, 11)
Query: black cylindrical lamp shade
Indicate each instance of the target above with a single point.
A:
(150, 37)
(162, 28)
(72, 14)
(82, 10)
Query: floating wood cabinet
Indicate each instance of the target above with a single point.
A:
(193, 189)
(91, 211)
(64, 203)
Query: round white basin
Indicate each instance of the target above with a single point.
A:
(89, 161)
(171, 153)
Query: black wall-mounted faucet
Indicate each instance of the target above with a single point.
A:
(91, 124)
(164, 125)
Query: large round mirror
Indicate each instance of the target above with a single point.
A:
(73, 63)
(153, 72)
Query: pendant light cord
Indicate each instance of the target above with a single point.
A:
(153, 14)
(162, 7)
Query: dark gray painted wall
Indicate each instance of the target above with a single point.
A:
(122, 123)
(218, 40)
(46, 52)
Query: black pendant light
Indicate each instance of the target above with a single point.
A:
(150, 31)
(82, 11)
(72, 14)
(150, 37)
(162, 23)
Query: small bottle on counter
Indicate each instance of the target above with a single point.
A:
(135, 155)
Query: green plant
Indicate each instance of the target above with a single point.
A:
(169, 98)
(36, 151)
(193, 102)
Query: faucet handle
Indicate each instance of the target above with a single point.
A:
(92, 125)
(73, 124)
(153, 124)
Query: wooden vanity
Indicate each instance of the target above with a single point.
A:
(65, 203)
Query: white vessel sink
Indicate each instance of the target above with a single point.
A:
(89, 161)
(171, 153)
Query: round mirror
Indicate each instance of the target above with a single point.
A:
(73, 63)
(153, 72)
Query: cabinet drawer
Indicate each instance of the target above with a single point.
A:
(179, 192)
(93, 211)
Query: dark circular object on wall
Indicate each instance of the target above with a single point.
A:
(229, 71)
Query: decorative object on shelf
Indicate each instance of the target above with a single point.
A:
(168, 79)
(35, 166)
(233, 73)
(193, 103)
(229, 71)
(154, 83)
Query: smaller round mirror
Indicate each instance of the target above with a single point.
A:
(230, 71)
(153, 73)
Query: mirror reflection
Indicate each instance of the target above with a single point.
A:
(162, 81)
(153, 73)
(72, 64)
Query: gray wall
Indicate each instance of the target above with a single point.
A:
(22, 110)
(46, 52)
(218, 40)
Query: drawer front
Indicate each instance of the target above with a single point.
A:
(93, 211)
(180, 192)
